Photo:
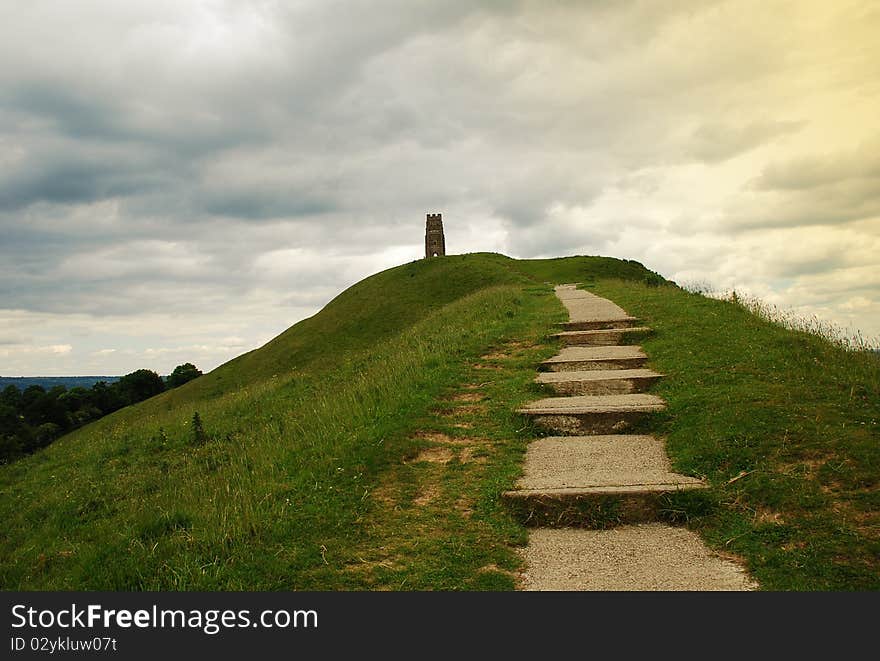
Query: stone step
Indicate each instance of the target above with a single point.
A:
(604, 337)
(649, 556)
(596, 481)
(601, 507)
(593, 414)
(615, 460)
(600, 324)
(599, 382)
(573, 359)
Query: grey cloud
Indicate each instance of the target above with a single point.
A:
(268, 204)
(811, 172)
(800, 267)
(580, 234)
(71, 112)
(715, 142)
(814, 208)
(100, 115)
(6, 339)
(833, 189)
(70, 183)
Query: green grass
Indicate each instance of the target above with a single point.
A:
(785, 425)
(366, 447)
(276, 486)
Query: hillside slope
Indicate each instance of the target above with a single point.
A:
(366, 447)
(290, 439)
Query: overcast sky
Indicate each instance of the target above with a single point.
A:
(181, 180)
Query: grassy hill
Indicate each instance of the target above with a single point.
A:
(365, 447)
(784, 424)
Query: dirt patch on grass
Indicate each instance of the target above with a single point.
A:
(807, 467)
(483, 366)
(865, 523)
(442, 411)
(768, 516)
(433, 436)
(369, 566)
(438, 455)
(469, 454)
(384, 495)
(463, 425)
(462, 440)
(462, 409)
(467, 397)
(446, 439)
(507, 350)
(519, 347)
(429, 494)
(469, 409)
(464, 506)
(794, 546)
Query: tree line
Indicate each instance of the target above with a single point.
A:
(33, 418)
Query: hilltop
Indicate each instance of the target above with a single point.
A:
(365, 447)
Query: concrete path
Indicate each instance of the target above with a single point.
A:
(605, 487)
(584, 306)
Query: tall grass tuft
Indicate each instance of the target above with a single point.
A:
(849, 339)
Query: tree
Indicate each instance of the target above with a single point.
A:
(45, 434)
(106, 398)
(75, 399)
(41, 407)
(10, 448)
(182, 374)
(9, 420)
(11, 396)
(140, 385)
(10, 428)
(30, 395)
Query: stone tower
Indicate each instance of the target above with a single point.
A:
(435, 243)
